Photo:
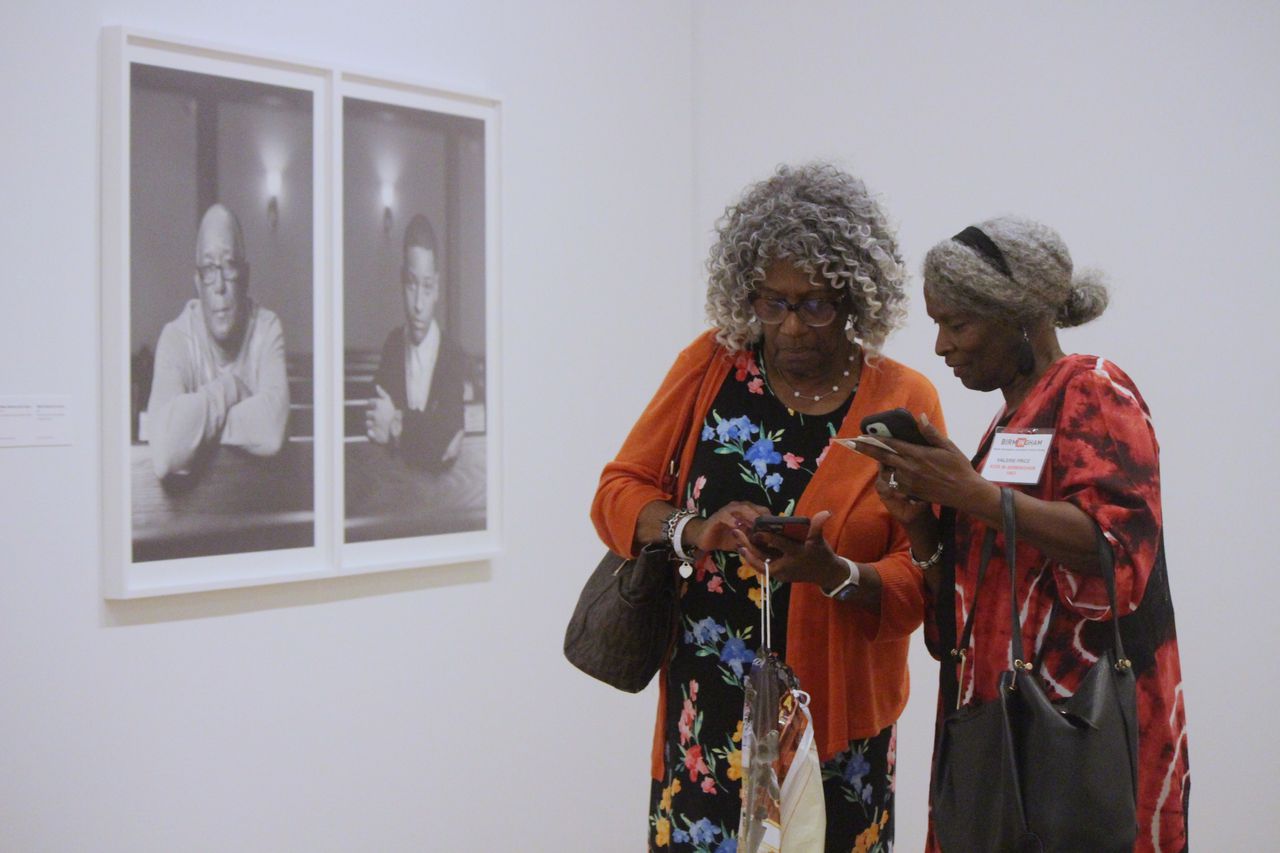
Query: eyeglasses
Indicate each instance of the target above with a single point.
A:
(229, 270)
(814, 312)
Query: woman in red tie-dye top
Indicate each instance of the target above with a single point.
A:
(998, 292)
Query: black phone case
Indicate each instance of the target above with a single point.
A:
(897, 423)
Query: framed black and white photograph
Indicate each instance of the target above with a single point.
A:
(215, 340)
(299, 320)
(419, 389)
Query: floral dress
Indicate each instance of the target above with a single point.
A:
(752, 448)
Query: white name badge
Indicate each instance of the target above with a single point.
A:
(1017, 457)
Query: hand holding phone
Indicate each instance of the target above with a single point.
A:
(795, 528)
(894, 423)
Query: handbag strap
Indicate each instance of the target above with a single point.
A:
(961, 651)
(1106, 562)
(671, 477)
(988, 544)
(1010, 520)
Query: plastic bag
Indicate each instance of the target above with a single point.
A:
(782, 801)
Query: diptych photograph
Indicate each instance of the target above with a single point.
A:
(299, 320)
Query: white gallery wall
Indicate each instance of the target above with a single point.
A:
(430, 709)
(1148, 135)
(420, 710)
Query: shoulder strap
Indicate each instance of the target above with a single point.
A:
(988, 544)
(671, 477)
(961, 651)
(1106, 559)
(1011, 557)
(1106, 562)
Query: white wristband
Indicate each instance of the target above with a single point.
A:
(850, 584)
(677, 538)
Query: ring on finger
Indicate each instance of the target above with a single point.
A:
(893, 479)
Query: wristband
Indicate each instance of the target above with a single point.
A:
(670, 523)
(850, 585)
(677, 538)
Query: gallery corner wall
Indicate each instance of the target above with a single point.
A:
(422, 709)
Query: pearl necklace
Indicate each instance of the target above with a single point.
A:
(819, 397)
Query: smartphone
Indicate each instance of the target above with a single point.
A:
(795, 528)
(895, 423)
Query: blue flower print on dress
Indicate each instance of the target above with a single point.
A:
(703, 832)
(857, 768)
(680, 836)
(761, 455)
(735, 438)
(736, 429)
(729, 845)
(736, 654)
(704, 631)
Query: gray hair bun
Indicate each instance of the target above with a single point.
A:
(1086, 301)
(1024, 274)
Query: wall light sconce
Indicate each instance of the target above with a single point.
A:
(274, 183)
(388, 198)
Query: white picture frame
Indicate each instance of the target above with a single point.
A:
(227, 128)
(396, 512)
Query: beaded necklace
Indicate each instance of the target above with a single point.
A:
(814, 397)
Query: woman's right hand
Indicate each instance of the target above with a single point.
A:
(715, 533)
(904, 510)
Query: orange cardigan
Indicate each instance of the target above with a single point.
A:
(852, 663)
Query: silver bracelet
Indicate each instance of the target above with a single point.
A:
(677, 537)
(924, 565)
(670, 523)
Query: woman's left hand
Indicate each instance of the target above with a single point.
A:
(810, 561)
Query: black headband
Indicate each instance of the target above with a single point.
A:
(975, 238)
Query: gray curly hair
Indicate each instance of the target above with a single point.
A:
(826, 223)
(1041, 283)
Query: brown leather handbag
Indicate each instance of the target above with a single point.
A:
(625, 619)
(628, 611)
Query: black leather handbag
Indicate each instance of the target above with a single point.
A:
(1022, 773)
(625, 619)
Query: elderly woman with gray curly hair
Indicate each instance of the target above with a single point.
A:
(998, 291)
(805, 283)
